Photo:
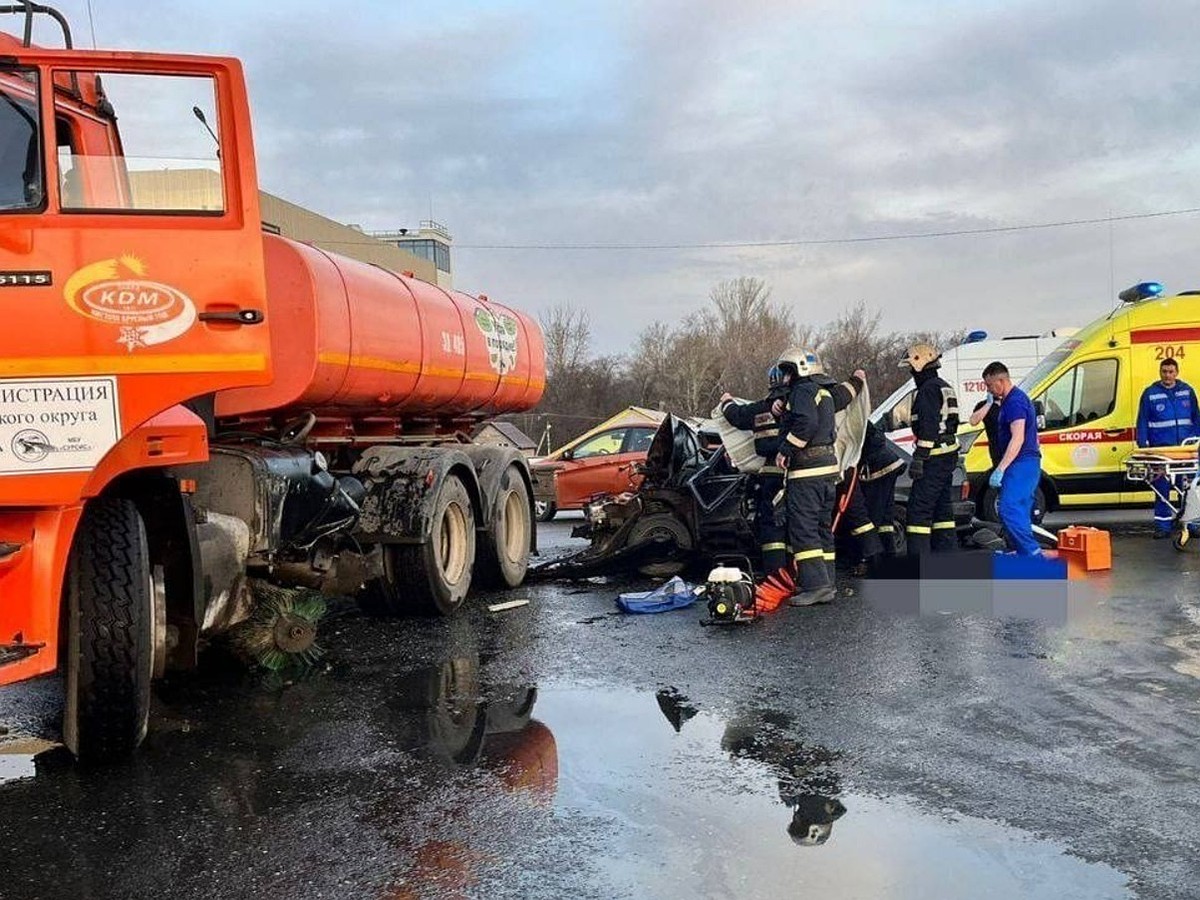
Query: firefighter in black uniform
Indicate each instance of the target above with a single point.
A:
(761, 419)
(855, 521)
(877, 473)
(806, 453)
(930, 518)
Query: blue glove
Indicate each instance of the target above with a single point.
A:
(996, 477)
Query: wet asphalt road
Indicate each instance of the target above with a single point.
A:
(565, 750)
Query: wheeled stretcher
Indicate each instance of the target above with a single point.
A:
(1179, 466)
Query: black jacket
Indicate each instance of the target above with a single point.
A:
(757, 418)
(807, 422)
(843, 393)
(878, 457)
(934, 415)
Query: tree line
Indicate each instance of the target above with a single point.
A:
(726, 346)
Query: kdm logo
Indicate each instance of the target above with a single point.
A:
(145, 313)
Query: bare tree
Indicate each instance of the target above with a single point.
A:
(751, 330)
(567, 332)
(650, 366)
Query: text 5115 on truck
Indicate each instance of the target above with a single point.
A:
(195, 414)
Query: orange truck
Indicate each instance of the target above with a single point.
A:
(195, 414)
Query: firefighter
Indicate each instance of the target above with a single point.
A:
(930, 515)
(806, 454)
(855, 520)
(878, 470)
(763, 421)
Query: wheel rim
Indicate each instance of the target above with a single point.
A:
(541, 506)
(515, 539)
(452, 543)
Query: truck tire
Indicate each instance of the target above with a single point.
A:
(110, 628)
(504, 555)
(546, 510)
(433, 577)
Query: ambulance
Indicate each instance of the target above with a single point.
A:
(1087, 392)
(962, 367)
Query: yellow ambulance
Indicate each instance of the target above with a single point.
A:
(1087, 393)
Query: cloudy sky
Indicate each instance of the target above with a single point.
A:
(699, 122)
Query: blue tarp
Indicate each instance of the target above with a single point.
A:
(675, 594)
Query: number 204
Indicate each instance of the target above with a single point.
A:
(1166, 351)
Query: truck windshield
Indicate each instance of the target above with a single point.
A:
(20, 142)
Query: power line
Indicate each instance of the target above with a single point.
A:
(817, 242)
(91, 23)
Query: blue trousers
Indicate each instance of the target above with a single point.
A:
(1163, 517)
(1015, 504)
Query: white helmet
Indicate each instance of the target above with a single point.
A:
(801, 361)
(920, 357)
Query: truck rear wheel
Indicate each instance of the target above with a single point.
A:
(110, 633)
(432, 577)
(504, 556)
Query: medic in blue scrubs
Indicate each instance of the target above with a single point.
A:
(1020, 466)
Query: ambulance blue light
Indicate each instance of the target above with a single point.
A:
(1143, 290)
(975, 337)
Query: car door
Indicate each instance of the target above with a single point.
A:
(587, 468)
(625, 474)
(1083, 438)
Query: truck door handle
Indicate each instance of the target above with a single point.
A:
(234, 316)
(1113, 432)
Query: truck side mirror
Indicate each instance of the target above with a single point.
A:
(1039, 409)
(885, 422)
(567, 455)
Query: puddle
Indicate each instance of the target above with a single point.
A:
(442, 782)
(707, 808)
(1187, 645)
(17, 757)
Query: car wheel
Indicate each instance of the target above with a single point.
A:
(546, 511)
(989, 513)
(661, 525)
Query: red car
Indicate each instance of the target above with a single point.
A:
(603, 463)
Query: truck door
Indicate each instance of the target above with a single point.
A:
(131, 267)
(1085, 435)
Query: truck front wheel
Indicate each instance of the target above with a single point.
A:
(110, 633)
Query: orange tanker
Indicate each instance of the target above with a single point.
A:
(201, 423)
(354, 339)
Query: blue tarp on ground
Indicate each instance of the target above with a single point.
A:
(675, 594)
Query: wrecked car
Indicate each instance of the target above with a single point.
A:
(694, 509)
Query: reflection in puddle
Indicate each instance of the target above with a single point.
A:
(716, 808)
(17, 757)
(442, 783)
